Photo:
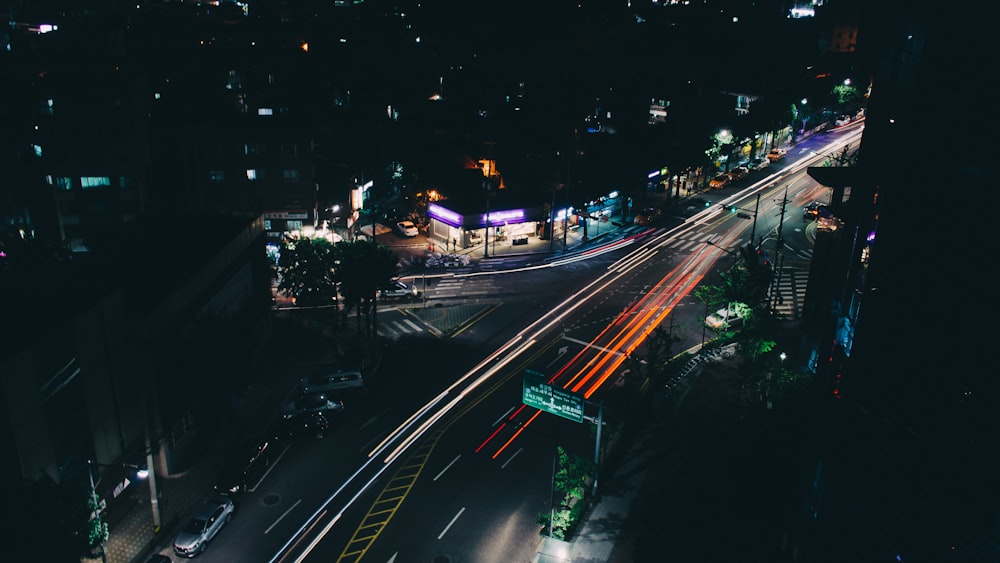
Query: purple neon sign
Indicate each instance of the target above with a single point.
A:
(444, 215)
(504, 216)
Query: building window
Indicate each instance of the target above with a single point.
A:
(64, 183)
(265, 111)
(289, 150)
(126, 182)
(253, 149)
(290, 175)
(219, 175)
(37, 149)
(251, 174)
(293, 225)
(267, 224)
(87, 182)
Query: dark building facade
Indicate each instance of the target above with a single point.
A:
(903, 452)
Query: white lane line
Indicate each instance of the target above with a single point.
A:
(445, 530)
(268, 472)
(399, 326)
(415, 326)
(282, 516)
(503, 416)
(373, 419)
(447, 467)
(510, 459)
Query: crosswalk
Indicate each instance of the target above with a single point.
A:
(448, 288)
(791, 294)
(394, 329)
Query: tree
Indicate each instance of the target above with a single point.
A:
(364, 267)
(307, 267)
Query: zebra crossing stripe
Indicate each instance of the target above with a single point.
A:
(413, 325)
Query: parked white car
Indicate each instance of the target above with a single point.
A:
(406, 228)
(728, 318)
(203, 525)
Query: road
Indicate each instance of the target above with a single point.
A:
(441, 461)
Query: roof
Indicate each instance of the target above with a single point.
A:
(835, 176)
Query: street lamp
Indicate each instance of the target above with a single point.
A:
(140, 472)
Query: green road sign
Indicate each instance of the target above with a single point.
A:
(555, 400)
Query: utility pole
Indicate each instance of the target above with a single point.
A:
(776, 279)
(753, 231)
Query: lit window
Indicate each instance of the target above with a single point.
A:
(293, 225)
(267, 224)
(87, 182)
(253, 149)
(290, 175)
(265, 111)
(219, 175)
(251, 174)
(37, 149)
(64, 183)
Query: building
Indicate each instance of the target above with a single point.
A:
(120, 355)
(903, 449)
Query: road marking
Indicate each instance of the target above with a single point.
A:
(373, 419)
(447, 467)
(445, 530)
(510, 459)
(503, 416)
(268, 472)
(413, 324)
(282, 516)
(589, 345)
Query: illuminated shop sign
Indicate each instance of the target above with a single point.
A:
(444, 215)
(504, 216)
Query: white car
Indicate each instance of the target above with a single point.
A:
(203, 525)
(724, 319)
(407, 228)
(398, 290)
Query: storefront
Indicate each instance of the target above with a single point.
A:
(457, 226)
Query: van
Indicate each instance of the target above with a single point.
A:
(332, 378)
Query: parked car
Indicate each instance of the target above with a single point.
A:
(719, 182)
(397, 289)
(759, 164)
(647, 216)
(775, 155)
(738, 173)
(203, 525)
(332, 377)
(304, 424)
(407, 228)
(311, 402)
(247, 464)
(313, 298)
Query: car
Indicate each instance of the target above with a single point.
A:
(313, 298)
(407, 228)
(727, 318)
(397, 289)
(738, 173)
(647, 216)
(813, 210)
(304, 424)
(759, 164)
(311, 402)
(331, 377)
(719, 182)
(203, 525)
(247, 464)
(775, 155)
